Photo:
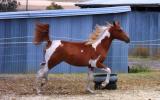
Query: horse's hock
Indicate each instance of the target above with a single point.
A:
(99, 78)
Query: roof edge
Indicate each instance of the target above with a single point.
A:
(61, 13)
(113, 5)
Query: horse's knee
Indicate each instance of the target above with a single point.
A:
(108, 70)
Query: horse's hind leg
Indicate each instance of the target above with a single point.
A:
(41, 77)
(43, 72)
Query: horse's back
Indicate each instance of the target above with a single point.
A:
(76, 53)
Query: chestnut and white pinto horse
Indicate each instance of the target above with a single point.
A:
(89, 53)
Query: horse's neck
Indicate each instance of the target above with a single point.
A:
(105, 45)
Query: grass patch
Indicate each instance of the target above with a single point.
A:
(139, 68)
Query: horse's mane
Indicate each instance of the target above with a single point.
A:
(96, 34)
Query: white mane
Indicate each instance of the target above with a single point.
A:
(98, 35)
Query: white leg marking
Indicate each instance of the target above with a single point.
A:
(93, 63)
(108, 70)
(90, 81)
(42, 74)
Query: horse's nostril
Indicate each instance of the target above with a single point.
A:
(128, 41)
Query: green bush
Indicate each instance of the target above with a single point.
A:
(8, 5)
(54, 6)
(138, 68)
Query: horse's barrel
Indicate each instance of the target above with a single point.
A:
(100, 77)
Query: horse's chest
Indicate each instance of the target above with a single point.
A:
(96, 57)
(93, 62)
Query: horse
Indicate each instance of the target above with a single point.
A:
(90, 53)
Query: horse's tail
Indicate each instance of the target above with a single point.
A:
(41, 33)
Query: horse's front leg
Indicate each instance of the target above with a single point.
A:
(90, 80)
(42, 77)
(107, 70)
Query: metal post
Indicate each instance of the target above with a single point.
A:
(26, 5)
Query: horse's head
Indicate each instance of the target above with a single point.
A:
(118, 33)
(41, 33)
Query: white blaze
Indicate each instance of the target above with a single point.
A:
(105, 32)
(55, 44)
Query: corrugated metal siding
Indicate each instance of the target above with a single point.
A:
(1, 46)
(144, 26)
(13, 56)
(25, 58)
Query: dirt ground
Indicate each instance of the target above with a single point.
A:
(141, 86)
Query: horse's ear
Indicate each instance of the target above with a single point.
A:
(47, 25)
(116, 23)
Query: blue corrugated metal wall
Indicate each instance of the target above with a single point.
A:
(1, 46)
(25, 58)
(12, 56)
(145, 26)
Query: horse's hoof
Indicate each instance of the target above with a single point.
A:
(90, 91)
(39, 93)
(104, 84)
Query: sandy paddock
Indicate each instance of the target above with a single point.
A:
(145, 86)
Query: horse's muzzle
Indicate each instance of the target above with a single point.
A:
(128, 40)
